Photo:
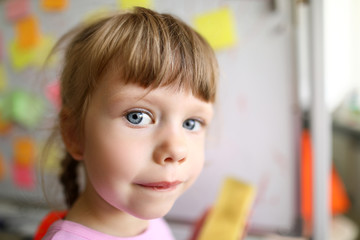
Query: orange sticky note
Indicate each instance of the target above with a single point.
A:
(54, 5)
(24, 151)
(16, 9)
(217, 27)
(23, 177)
(2, 167)
(5, 125)
(27, 32)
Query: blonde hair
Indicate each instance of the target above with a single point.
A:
(145, 48)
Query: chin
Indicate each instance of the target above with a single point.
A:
(152, 212)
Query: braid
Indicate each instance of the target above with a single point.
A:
(68, 179)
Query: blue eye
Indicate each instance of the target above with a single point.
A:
(192, 125)
(138, 118)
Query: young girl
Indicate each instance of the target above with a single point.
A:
(137, 90)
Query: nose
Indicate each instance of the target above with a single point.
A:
(172, 148)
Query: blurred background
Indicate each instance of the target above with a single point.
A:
(287, 117)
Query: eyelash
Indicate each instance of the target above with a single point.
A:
(126, 114)
(143, 111)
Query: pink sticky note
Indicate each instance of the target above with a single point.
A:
(52, 93)
(15, 9)
(24, 177)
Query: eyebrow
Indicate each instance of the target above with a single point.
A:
(135, 96)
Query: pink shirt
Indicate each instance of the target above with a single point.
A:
(68, 230)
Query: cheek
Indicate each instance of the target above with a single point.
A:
(196, 161)
(115, 156)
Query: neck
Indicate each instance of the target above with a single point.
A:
(92, 211)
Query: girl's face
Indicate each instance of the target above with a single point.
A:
(143, 150)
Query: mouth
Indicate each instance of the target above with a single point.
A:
(160, 186)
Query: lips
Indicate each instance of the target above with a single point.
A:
(160, 186)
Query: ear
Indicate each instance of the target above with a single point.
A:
(70, 134)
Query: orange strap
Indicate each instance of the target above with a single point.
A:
(49, 219)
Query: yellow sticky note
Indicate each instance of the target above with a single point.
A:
(42, 51)
(27, 32)
(54, 5)
(97, 14)
(3, 78)
(24, 151)
(20, 58)
(52, 157)
(217, 27)
(128, 4)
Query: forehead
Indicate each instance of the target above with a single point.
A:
(112, 87)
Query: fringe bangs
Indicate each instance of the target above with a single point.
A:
(154, 50)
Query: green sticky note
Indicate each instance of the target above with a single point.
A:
(217, 27)
(24, 108)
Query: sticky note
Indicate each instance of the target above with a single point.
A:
(97, 14)
(24, 108)
(5, 125)
(1, 47)
(2, 167)
(53, 155)
(23, 177)
(228, 218)
(20, 58)
(3, 78)
(52, 92)
(24, 151)
(16, 9)
(27, 32)
(54, 5)
(217, 27)
(42, 51)
(128, 4)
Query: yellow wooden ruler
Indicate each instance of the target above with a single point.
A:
(228, 218)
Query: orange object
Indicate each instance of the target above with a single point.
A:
(54, 5)
(5, 126)
(24, 151)
(28, 34)
(46, 223)
(339, 200)
(306, 176)
(199, 224)
(2, 168)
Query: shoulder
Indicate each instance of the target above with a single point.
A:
(159, 229)
(65, 230)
